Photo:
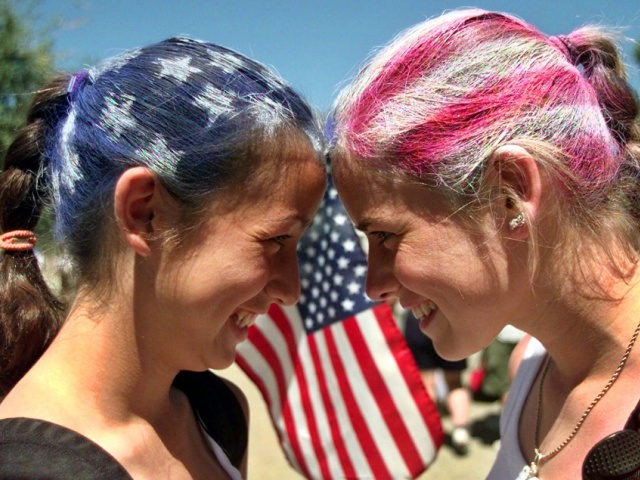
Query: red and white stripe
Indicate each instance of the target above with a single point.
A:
(347, 401)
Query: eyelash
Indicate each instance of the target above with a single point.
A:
(281, 238)
(381, 236)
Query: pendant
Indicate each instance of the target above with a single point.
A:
(530, 472)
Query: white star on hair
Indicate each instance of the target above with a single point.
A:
(114, 63)
(177, 68)
(117, 116)
(227, 63)
(125, 58)
(72, 164)
(213, 102)
(160, 151)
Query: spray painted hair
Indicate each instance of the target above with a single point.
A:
(185, 109)
(200, 116)
(446, 93)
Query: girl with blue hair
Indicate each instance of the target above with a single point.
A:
(181, 175)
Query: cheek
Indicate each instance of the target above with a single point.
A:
(414, 268)
(244, 280)
(440, 268)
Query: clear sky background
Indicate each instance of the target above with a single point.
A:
(317, 45)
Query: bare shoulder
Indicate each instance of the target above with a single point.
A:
(31, 398)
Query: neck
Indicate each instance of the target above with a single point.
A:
(100, 355)
(587, 335)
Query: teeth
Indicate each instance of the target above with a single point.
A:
(423, 310)
(244, 319)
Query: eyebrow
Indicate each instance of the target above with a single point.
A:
(303, 221)
(363, 226)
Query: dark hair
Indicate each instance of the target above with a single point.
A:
(194, 113)
(30, 315)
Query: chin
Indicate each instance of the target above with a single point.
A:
(452, 352)
(222, 362)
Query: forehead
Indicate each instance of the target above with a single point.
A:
(371, 194)
(284, 187)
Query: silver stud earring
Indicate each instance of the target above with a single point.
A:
(517, 221)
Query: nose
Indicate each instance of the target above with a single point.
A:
(382, 284)
(284, 286)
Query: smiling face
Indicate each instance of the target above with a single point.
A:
(455, 278)
(210, 289)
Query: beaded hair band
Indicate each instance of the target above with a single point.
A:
(18, 241)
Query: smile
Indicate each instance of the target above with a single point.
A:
(423, 310)
(244, 319)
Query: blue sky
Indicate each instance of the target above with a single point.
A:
(315, 45)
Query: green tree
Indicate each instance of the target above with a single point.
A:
(25, 63)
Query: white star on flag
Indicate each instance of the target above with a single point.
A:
(353, 288)
(340, 384)
(360, 270)
(340, 219)
(343, 263)
(349, 245)
(347, 304)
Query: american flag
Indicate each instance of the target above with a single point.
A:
(342, 389)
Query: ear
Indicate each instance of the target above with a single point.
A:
(136, 200)
(519, 176)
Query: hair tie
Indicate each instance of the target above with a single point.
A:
(18, 240)
(563, 44)
(76, 82)
(567, 47)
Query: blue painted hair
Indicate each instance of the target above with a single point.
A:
(200, 116)
(183, 108)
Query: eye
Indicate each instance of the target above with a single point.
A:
(280, 239)
(381, 236)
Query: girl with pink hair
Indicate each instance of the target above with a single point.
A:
(501, 169)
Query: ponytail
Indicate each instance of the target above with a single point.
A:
(30, 315)
(595, 53)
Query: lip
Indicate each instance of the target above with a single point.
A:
(424, 312)
(241, 333)
(240, 322)
(244, 318)
(424, 322)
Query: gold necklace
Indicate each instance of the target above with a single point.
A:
(532, 469)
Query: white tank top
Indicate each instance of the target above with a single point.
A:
(510, 462)
(223, 460)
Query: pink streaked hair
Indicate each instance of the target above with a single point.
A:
(446, 93)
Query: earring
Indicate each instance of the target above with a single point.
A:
(517, 221)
